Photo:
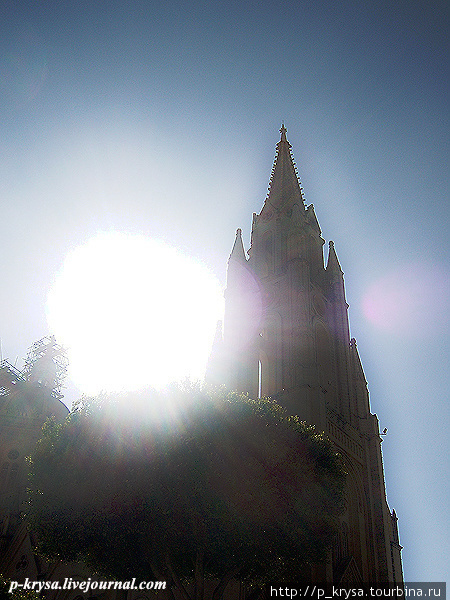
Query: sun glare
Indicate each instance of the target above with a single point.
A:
(133, 312)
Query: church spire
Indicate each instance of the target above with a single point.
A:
(284, 186)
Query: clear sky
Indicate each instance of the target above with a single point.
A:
(161, 119)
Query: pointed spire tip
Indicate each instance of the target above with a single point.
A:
(283, 132)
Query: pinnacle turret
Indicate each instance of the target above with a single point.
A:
(333, 265)
(238, 253)
(237, 263)
(358, 371)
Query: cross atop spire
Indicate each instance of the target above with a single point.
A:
(283, 132)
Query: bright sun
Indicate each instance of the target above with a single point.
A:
(132, 312)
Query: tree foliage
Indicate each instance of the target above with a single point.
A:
(17, 593)
(184, 485)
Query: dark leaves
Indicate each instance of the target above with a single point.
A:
(126, 482)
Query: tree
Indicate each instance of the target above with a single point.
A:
(15, 593)
(185, 485)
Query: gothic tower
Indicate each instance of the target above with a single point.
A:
(286, 335)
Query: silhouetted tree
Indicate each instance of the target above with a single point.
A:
(185, 485)
(16, 593)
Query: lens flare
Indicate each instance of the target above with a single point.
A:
(133, 311)
(409, 301)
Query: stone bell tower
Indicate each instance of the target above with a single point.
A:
(286, 335)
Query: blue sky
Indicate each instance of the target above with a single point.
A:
(162, 118)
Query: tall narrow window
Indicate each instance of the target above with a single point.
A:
(266, 255)
(259, 379)
(4, 475)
